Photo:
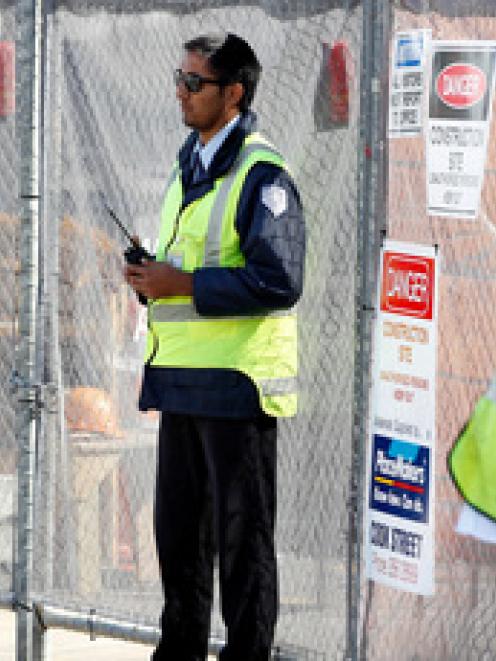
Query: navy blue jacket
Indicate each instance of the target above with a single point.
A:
(272, 278)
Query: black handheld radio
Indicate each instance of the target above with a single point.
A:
(135, 253)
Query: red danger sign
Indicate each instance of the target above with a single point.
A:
(407, 286)
(461, 85)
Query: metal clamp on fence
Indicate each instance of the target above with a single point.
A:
(21, 606)
(39, 395)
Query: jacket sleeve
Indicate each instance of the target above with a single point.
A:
(271, 228)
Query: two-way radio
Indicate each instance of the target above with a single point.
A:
(135, 253)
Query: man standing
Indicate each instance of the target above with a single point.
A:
(221, 356)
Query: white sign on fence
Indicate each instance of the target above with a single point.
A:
(408, 82)
(460, 102)
(400, 470)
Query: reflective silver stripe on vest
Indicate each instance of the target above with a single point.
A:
(174, 312)
(187, 312)
(172, 178)
(280, 386)
(214, 236)
(491, 393)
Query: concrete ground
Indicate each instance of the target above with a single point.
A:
(69, 646)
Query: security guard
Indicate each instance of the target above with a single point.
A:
(221, 356)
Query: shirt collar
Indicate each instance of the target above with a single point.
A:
(208, 152)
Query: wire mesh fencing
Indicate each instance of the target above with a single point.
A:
(455, 622)
(112, 128)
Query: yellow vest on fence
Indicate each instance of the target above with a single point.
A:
(263, 346)
(472, 461)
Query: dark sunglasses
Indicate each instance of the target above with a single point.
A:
(193, 82)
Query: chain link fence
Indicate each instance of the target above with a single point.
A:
(111, 130)
(458, 621)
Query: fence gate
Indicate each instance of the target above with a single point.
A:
(96, 120)
(109, 130)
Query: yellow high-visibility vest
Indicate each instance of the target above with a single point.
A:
(263, 346)
(472, 460)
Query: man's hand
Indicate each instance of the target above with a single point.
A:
(158, 280)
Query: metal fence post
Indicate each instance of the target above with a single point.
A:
(50, 426)
(28, 22)
(372, 196)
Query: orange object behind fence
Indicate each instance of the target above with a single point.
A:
(7, 78)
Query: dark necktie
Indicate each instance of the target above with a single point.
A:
(197, 169)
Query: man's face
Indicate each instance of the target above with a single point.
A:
(209, 109)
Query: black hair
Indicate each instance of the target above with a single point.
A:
(232, 59)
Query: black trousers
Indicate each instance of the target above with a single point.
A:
(216, 491)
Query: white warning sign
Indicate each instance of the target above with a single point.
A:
(408, 83)
(460, 101)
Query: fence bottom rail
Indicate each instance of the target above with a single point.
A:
(53, 617)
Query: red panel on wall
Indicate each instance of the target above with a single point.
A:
(339, 81)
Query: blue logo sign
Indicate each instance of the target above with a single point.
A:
(409, 51)
(399, 483)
